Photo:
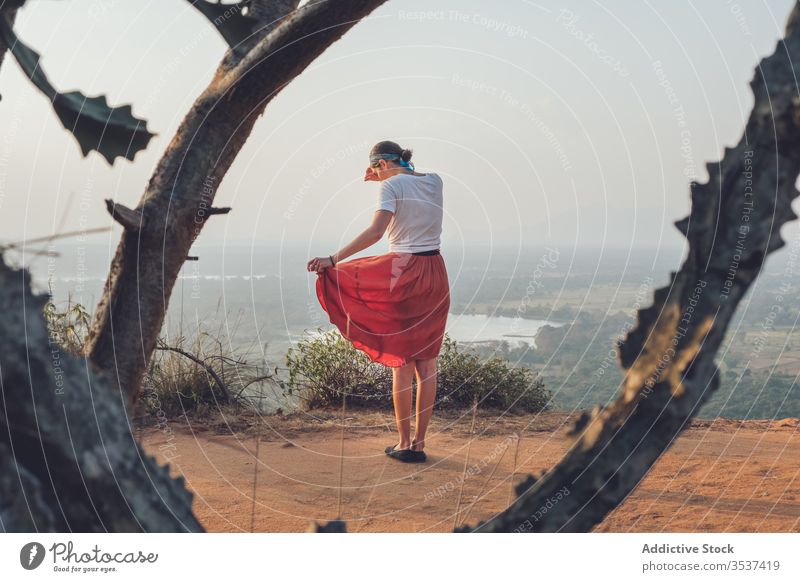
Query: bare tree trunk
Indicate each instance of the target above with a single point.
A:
(179, 195)
(68, 458)
(669, 356)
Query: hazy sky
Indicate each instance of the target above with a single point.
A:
(550, 122)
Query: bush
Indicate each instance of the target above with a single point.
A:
(68, 327)
(324, 367)
(464, 376)
(185, 376)
(203, 374)
(175, 385)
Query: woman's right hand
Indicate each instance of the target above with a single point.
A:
(371, 176)
(318, 264)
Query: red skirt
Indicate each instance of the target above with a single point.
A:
(393, 307)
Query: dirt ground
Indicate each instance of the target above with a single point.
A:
(719, 476)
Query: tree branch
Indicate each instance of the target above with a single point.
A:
(245, 23)
(132, 220)
(183, 186)
(209, 370)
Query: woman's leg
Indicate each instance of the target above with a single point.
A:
(426, 397)
(401, 391)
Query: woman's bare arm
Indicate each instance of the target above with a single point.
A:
(372, 234)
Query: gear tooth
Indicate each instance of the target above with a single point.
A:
(525, 485)
(186, 493)
(333, 526)
(581, 423)
(683, 225)
(775, 243)
(713, 169)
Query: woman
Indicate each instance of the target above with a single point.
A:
(394, 306)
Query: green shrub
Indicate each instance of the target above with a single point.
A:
(464, 376)
(324, 367)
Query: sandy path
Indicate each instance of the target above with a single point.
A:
(721, 476)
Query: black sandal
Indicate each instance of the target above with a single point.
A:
(418, 456)
(405, 455)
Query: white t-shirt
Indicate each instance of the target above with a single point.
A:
(416, 202)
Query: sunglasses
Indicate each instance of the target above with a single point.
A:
(375, 159)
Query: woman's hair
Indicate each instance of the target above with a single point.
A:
(390, 147)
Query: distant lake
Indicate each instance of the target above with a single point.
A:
(483, 328)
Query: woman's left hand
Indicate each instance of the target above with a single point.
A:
(319, 264)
